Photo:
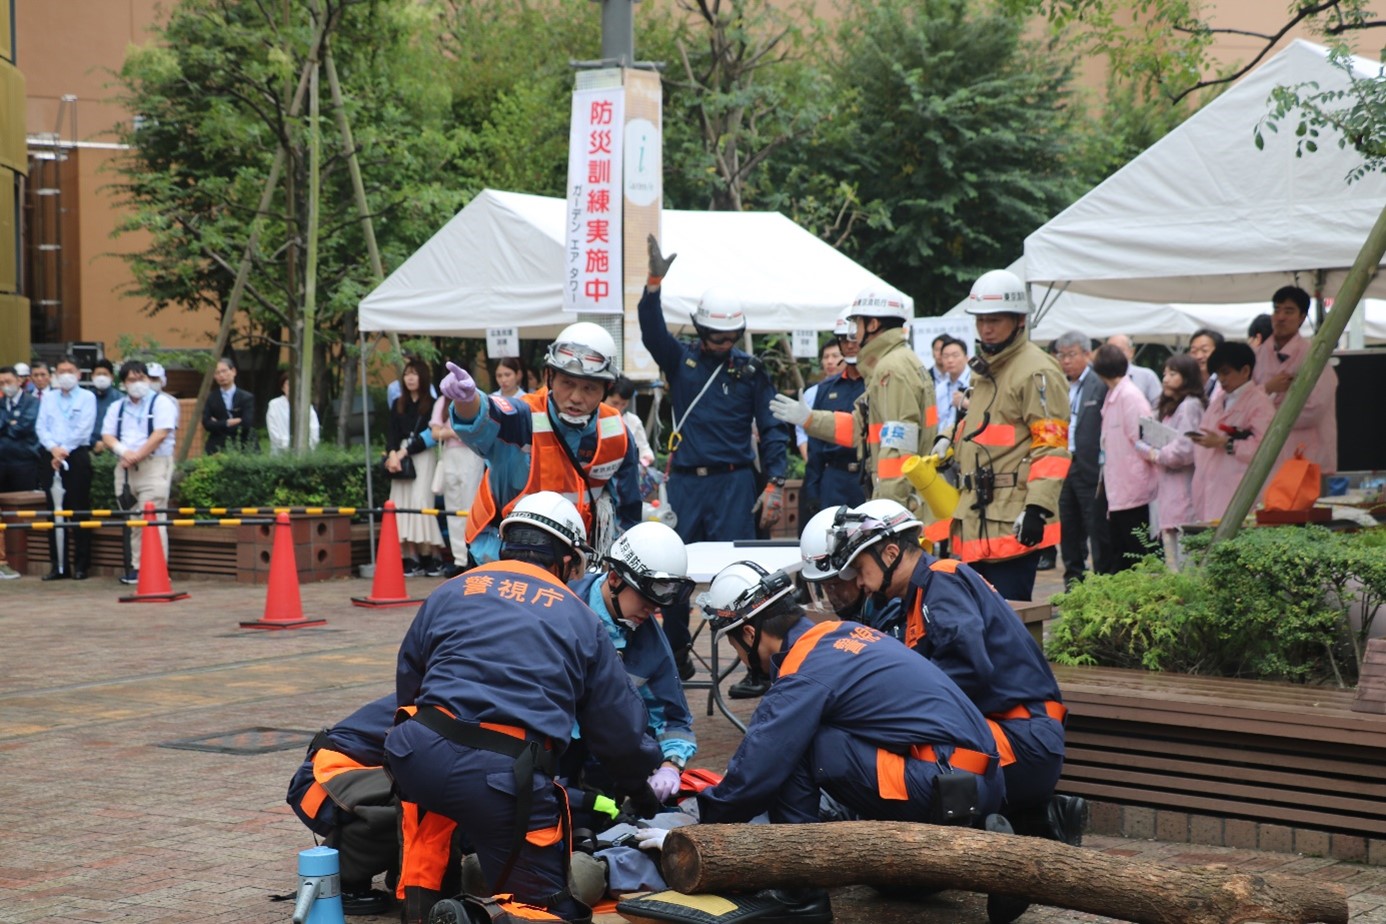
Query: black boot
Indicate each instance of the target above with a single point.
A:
(1003, 909)
(1066, 816)
(798, 906)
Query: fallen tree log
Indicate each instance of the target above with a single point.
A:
(743, 858)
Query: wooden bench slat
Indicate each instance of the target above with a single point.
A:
(1364, 764)
(1270, 722)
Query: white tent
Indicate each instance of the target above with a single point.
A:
(1204, 216)
(499, 261)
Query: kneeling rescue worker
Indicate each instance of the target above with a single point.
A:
(960, 623)
(497, 666)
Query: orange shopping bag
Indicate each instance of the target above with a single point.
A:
(1295, 485)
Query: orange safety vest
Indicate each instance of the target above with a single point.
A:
(551, 469)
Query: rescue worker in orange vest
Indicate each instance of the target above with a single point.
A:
(897, 416)
(342, 793)
(561, 438)
(850, 711)
(1012, 448)
(493, 673)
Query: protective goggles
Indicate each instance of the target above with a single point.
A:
(578, 359)
(659, 589)
(748, 604)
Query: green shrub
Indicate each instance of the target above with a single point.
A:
(1274, 604)
(326, 477)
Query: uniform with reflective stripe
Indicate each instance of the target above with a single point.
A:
(826, 479)
(851, 711)
(898, 389)
(961, 624)
(1024, 402)
(507, 645)
(522, 451)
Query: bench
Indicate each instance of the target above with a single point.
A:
(1266, 752)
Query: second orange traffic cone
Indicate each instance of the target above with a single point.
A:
(283, 602)
(154, 585)
(387, 588)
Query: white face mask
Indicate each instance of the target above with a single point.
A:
(156, 386)
(10, 390)
(66, 381)
(137, 390)
(101, 382)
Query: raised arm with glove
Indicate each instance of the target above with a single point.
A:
(659, 264)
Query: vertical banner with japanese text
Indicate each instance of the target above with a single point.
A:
(592, 220)
(643, 167)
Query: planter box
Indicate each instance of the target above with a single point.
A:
(322, 550)
(17, 545)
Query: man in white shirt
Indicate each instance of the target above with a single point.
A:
(65, 420)
(40, 380)
(951, 389)
(139, 430)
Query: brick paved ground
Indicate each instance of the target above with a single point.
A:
(98, 822)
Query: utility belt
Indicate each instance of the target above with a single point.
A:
(961, 758)
(853, 467)
(956, 796)
(1051, 708)
(976, 481)
(529, 755)
(702, 471)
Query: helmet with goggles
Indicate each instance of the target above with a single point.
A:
(548, 524)
(719, 312)
(813, 544)
(741, 592)
(881, 302)
(584, 350)
(651, 558)
(861, 527)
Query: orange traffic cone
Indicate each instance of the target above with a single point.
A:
(283, 603)
(388, 587)
(154, 585)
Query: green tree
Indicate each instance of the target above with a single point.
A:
(211, 93)
(961, 129)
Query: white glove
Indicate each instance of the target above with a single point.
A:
(941, 446)
(790, 410)
(650, 838)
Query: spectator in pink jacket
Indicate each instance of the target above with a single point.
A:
(1127, 475)
(1278, 359)
(1181, 409)
(1231, 431)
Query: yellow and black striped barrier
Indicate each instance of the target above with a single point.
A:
(101, 514)
(49, 525)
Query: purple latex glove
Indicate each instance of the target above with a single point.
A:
(457, 385)
(665, 783)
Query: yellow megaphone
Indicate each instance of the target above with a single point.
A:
(942, 497)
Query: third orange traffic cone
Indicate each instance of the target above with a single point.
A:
(387, 589)
(154, 585)
(283, 603)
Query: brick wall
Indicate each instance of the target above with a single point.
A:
(1142, 822)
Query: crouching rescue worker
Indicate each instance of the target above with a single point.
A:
(497, 666)
(341, 792)
(960, 623)
(561, 438)
(833, 594)
(647, 568)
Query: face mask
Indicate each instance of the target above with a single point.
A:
(10, 390)
(137, 390)
(156, 387)
(573, 421)
(101, 382)
(67, 381)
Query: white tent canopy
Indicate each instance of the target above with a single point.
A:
(1204, 216)
(1060, 312)
(500, 261)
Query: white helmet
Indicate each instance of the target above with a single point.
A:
(842, 327)
(651, 558)
(740, 592)
(719, 310)
(21, 370)
(813, 544)
(865, 525)
(584, 350)
(546, 512)
(998, 292)
(154, 370)
(881, 302)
